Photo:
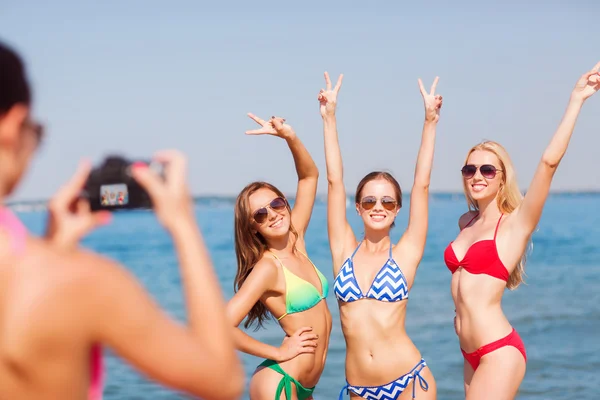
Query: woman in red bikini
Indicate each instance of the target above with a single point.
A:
(489, 253)
(59, 305)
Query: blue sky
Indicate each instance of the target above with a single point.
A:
(133, 77)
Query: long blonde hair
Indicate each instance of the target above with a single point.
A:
(250, 247)
(509, 197)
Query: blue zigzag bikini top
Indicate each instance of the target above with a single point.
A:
(389, 284)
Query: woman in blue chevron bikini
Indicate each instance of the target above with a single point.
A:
(372, 276)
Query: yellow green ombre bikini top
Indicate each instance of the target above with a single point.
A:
(301, 295)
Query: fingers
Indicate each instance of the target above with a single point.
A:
(422, 88)
(69, 192)
(94, 220)
(593, 71)
(147, 179)
(327, 81)
(175, 167)
(261, 131)
(434, 86)
(307, 350)
(309, 337)
(277, 123)
(101, 218)
(589, 74)
(338, 85)
(256, 119)
(321, 96)
(302, 330)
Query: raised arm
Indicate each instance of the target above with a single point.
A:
(416, 232)
(528, 215)
(341, 236)
(200, 358)
(308, 173)
(259, 283)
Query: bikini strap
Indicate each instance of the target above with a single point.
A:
(97, 374)
(307, 257)
(299, 251)
(391, 250)
(497, 226)
(355, 250)
(285, 274)
(471, 220)
(277, 258)
(346, 388)
(416, 372)
(15, 229)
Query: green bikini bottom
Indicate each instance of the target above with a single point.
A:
(286, 383)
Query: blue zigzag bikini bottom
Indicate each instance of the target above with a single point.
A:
(392, 390)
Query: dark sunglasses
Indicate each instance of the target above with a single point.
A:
(488, 171)
(35, 128)
(278, 204)
(387, 202)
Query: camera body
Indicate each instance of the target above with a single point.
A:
(111, 186)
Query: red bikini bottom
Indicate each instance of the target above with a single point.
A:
(513, 339)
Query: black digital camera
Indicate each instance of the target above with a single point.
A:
(112, 187)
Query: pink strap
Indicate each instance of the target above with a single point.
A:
(18, 235)
(97, 374)
(15, 228)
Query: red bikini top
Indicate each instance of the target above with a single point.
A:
(481, 258)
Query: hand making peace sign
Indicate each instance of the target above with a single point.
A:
(276, 126)
(433, 102)
(328, 97)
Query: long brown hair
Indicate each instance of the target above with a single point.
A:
(508, 199)
(250, 247)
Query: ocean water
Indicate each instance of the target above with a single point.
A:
(557, 313)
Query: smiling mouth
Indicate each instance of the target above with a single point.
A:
(478, 187)
(378, 217)
(277, 223)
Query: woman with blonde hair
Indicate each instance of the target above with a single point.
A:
(275, 277)
(489, 253)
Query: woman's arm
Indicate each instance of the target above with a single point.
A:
(201, 358)
(528, 215)
(416, 232)
(308, 173)
(341, 236)
(260, 281)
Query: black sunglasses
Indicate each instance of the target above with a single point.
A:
(278, 204)
(35, 128)
(488, 171)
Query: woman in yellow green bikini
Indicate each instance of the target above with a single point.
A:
(276, 278)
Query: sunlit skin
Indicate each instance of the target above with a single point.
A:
(481, 188)
(378, 349)
(477, 297)
(55, 297)
(303, 351)
(378, 220)
(277, 226)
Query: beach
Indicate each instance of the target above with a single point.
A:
(557, 311)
